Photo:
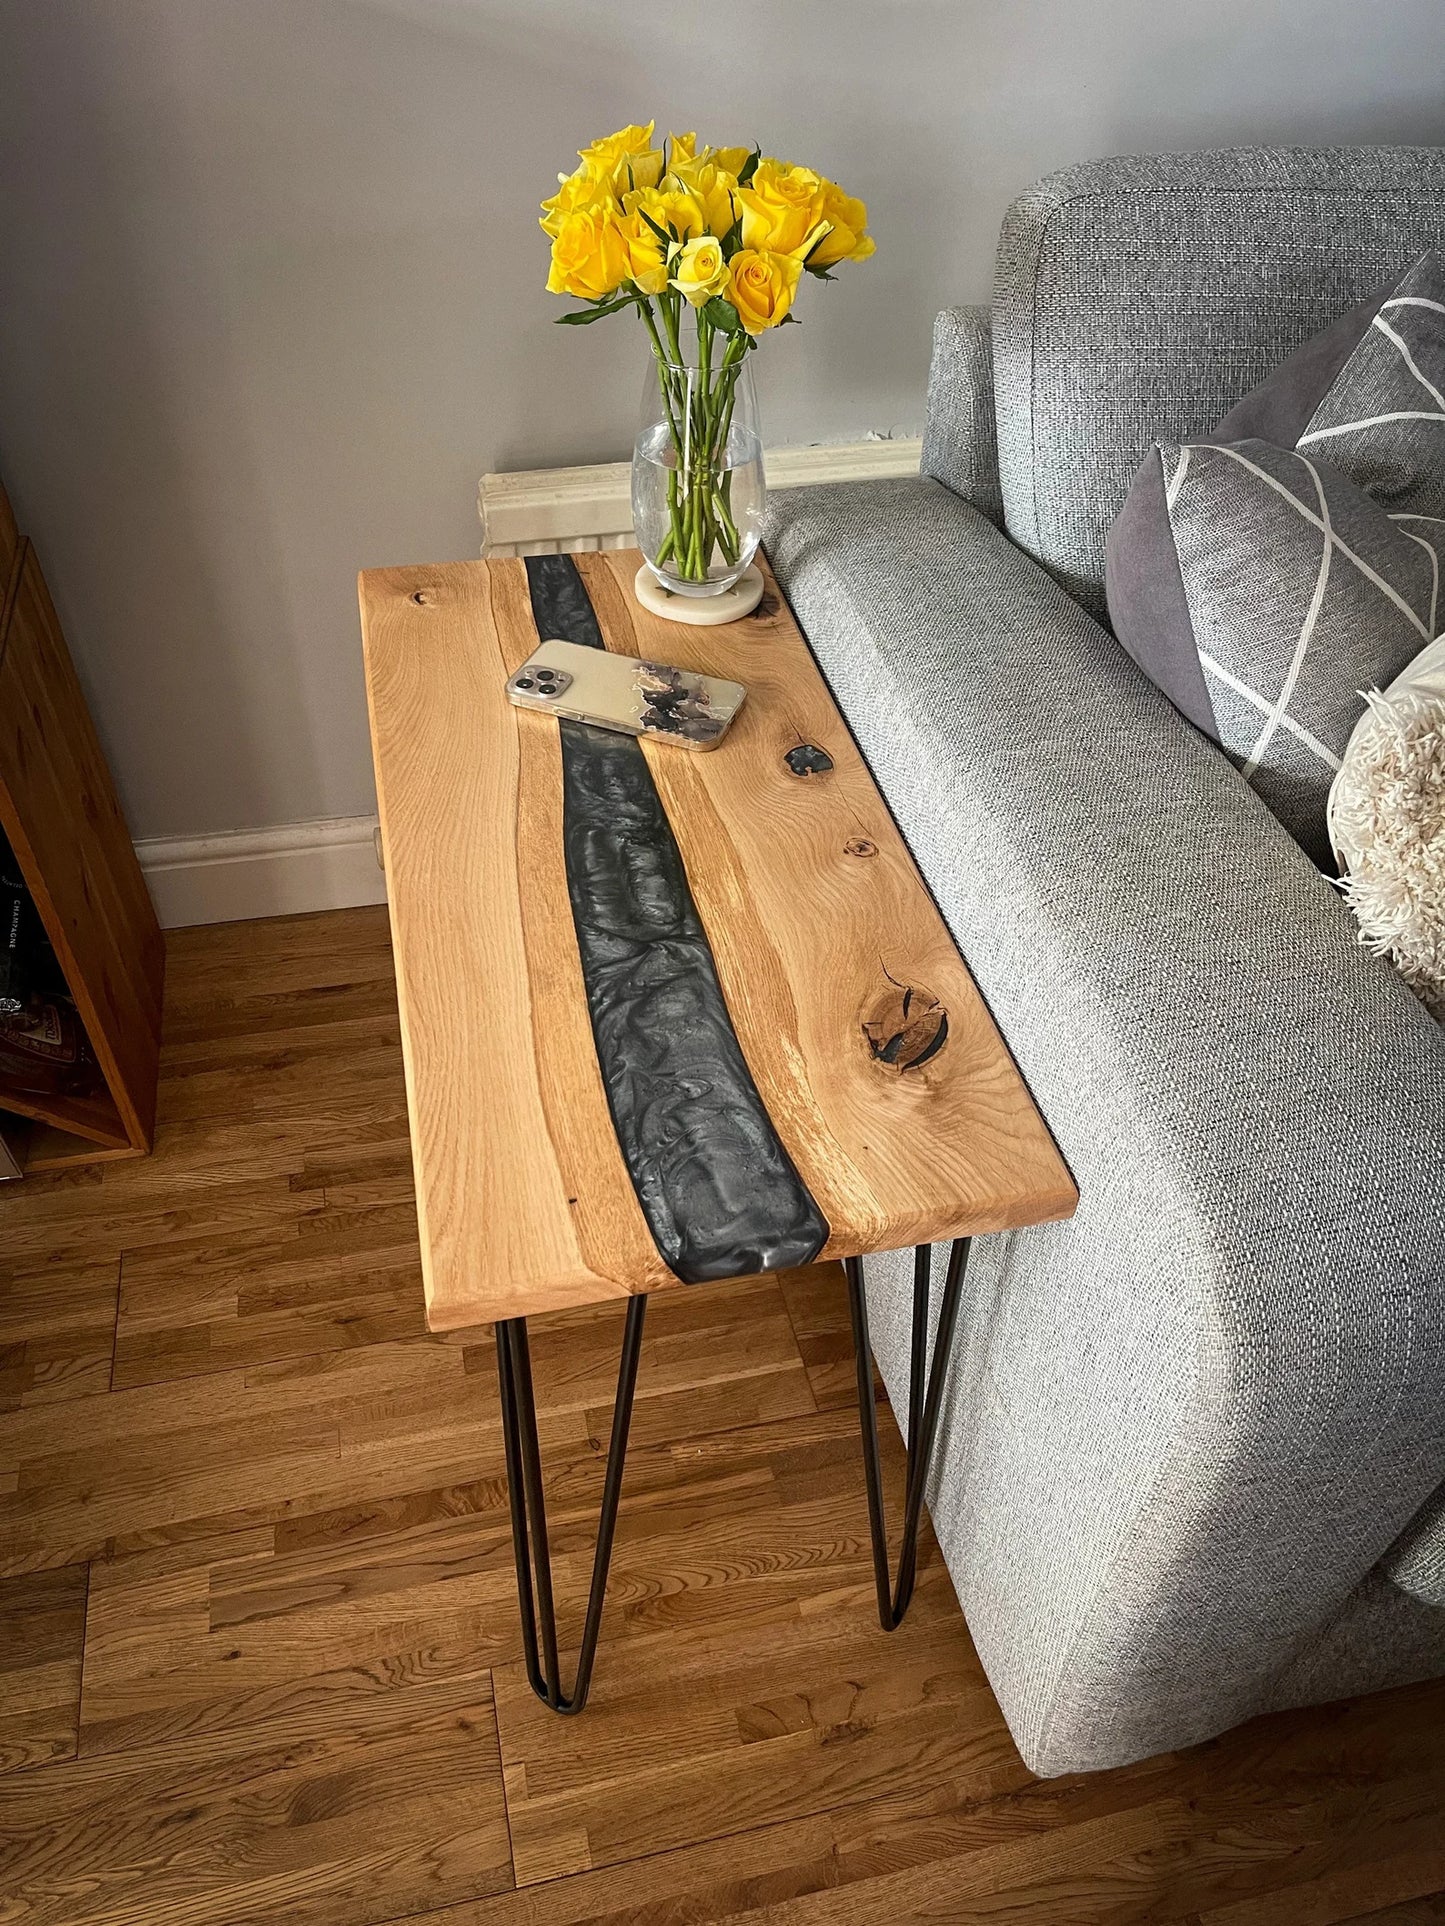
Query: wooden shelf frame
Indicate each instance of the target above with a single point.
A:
(63, 821)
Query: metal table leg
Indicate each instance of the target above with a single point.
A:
(923, 1410)
(529, 1512)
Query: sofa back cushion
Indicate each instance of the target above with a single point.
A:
(1137, 300)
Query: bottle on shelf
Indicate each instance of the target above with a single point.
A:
(44, 1050)
(16, 910)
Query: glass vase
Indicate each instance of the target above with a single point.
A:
(697, 472)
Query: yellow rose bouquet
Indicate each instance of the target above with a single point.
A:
(724, 236)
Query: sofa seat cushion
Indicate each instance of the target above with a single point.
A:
(1262, 591)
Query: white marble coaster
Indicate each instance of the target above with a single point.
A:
(702, 611)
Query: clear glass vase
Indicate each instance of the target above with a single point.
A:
(697, 472)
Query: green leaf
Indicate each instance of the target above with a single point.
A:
(820, 274)
(661, 232)
(721, 315)
(749, 167)
(584, 316)
(790, 321)
(733, 239)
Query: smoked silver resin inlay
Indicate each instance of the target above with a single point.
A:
(720, 1193)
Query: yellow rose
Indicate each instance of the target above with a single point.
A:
(627, 158)
(711, 187)
(698, 269)
(848, 238)
(684, 148)
(673, 208)
(706, 176)
(579, 193)
(589, 256)
(782, 206)
(646, 253)
(761, 287)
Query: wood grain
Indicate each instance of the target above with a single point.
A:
(817, 916)
(818, 921)
(1428, 1911)
(42, 1634)
(57, 1330)
(293, 1821)
(58, 808)
(505, 1214)
(299, 1693)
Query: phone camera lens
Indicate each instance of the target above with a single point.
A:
(524, 682)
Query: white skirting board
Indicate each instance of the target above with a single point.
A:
(334, 864)
(242, 873)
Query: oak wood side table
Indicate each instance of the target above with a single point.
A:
(667, 1016)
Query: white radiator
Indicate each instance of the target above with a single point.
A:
(549, 511)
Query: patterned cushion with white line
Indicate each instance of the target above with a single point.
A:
(1262, 591)
(1368, 394)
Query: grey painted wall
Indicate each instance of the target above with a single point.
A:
(271, 285)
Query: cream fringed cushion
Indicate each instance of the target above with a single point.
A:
(1387, 824)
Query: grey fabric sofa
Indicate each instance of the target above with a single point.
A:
(1193, 1458)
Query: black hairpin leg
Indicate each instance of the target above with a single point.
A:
(529, 1512)
(923, 1410)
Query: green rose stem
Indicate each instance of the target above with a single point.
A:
(699, 415)
(727, 385)
(702, 454)
(672, 541)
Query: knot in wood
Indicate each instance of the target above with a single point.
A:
(860, 846)
(905, 1026)
(808, 760)
(424, 598)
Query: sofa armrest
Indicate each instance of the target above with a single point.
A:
(1186, 1424)
(960, 439)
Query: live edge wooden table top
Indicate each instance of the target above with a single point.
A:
(873, 1105)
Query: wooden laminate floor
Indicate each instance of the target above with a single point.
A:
(258, 1643)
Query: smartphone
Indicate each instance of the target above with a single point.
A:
(623, 693)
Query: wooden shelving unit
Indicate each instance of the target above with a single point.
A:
(59, 812)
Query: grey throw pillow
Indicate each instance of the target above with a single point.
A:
(1356, 418)
(1368, 394)
(1262, 591)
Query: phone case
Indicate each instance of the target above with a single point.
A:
(620, 692)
